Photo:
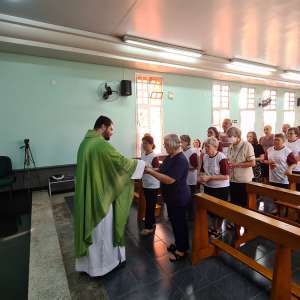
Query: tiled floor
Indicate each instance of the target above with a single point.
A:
(148, 273)
(81, 286)
(15, 224)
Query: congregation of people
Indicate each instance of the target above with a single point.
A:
(221, 166)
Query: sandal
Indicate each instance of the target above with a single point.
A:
(229, 226)
(171, 248)
(215, 234)
(274, 211)
(177, 257)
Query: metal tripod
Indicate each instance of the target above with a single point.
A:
(28, 162)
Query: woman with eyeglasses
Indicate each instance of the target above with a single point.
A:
(241, 159)
(173, 177)
(281, 161)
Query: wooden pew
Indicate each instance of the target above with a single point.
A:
(282, 197)
(286, 237)
(294, 179)
(279, 195)
(276, 193)
(139, 198)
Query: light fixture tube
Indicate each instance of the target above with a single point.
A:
(162, 46)
(291, 75)
(250, 67)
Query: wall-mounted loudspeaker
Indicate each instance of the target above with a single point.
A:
(298, 102)
(125, 88)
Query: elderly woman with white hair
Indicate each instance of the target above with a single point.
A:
(241, 159)
(176, 193)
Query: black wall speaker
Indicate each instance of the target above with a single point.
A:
(125, 88)
(298, 102)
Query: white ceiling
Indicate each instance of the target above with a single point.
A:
(266, 31)
(223, 29)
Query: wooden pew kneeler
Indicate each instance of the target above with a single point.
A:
(280, 195)
(286, 237)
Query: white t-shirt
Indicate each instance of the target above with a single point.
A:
(280, 157)
(216, 165)
(198, 151)
(151, 160)
(295, 148)
(192, 175)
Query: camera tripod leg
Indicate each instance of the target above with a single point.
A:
(30, 158)
(24, 167)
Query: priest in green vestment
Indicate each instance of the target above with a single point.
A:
(103, 197)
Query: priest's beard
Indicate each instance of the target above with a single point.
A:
(106, 135)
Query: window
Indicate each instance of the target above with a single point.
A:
(270, 109)
(220, 101)
(247, 110)
(289, 108)
(149, 110)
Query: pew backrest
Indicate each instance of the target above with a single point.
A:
(267, 227)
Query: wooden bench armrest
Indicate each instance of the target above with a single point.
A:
(282, 203)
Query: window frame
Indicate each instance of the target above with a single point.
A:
(289, 109)
(147, 106)
(267, 109)
(247, 108)
(220, 108)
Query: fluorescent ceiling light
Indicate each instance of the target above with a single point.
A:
(162, 46)
(249, 67)
(291, 75)
(177, 57)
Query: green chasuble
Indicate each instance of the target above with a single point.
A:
(103, 177)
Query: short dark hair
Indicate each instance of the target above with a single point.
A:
(295, 129)
(149, 139)
(102, 120)
(215, 130)
(280, 136)
(186, 138)
(255, 141)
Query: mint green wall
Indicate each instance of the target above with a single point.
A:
(56, 117)
(54, 102)
(190, 110)
(235, 113)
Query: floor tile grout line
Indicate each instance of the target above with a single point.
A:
(154, 258)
